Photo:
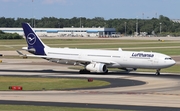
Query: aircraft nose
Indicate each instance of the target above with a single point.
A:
(169, 63)
(172, 62)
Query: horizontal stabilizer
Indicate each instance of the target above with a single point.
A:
(21, 54)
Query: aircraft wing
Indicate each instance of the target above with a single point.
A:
(72, 59)
(81, 60)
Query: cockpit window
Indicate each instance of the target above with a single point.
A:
(168, 58)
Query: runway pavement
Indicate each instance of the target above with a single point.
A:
(133, 91)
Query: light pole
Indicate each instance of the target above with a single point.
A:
(137, 27)
(34, 21)
(160, 27)
(59, 24)
(125, 28)
(33, 17)
(80, 21)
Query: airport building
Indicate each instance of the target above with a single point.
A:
(63, 32)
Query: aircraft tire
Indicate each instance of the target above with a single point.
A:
(84, 71)
(157, 73)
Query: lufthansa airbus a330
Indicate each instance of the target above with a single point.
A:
(96, 60)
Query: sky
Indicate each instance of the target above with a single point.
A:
(108, 9)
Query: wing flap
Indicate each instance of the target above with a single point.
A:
(76, 59)
(72, 59)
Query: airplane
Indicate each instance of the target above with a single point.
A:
(95, 60)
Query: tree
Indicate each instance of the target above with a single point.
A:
(144, 25)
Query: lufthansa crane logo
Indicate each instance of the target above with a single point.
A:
(31, 39)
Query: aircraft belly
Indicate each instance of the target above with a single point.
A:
(138, 63)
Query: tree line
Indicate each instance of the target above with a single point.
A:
(156, 26)
(10, 35)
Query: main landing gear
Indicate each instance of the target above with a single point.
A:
(106, 72)
(158, 72)
(84, 71)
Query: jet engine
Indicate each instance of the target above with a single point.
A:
(97, 67)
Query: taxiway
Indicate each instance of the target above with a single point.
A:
(144, 90)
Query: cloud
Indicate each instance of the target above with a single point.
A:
(54, 1)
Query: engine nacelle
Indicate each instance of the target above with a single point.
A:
(97, 67)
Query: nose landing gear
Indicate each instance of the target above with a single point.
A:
(158, 72)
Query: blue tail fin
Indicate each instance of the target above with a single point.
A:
(33, 41)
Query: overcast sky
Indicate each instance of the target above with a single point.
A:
(90, 8)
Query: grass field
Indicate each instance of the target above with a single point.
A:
(48, 108)
(173, 69)
(166, 47)
(34, 84)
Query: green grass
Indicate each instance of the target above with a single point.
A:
(77, 41)
(113, 45)
(48, 108)
(10, 42)
(141, 45)
(29, 83)
(72, 41)
(173, 69)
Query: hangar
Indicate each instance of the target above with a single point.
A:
(63, 32)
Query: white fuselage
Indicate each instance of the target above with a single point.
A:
(116, 59)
